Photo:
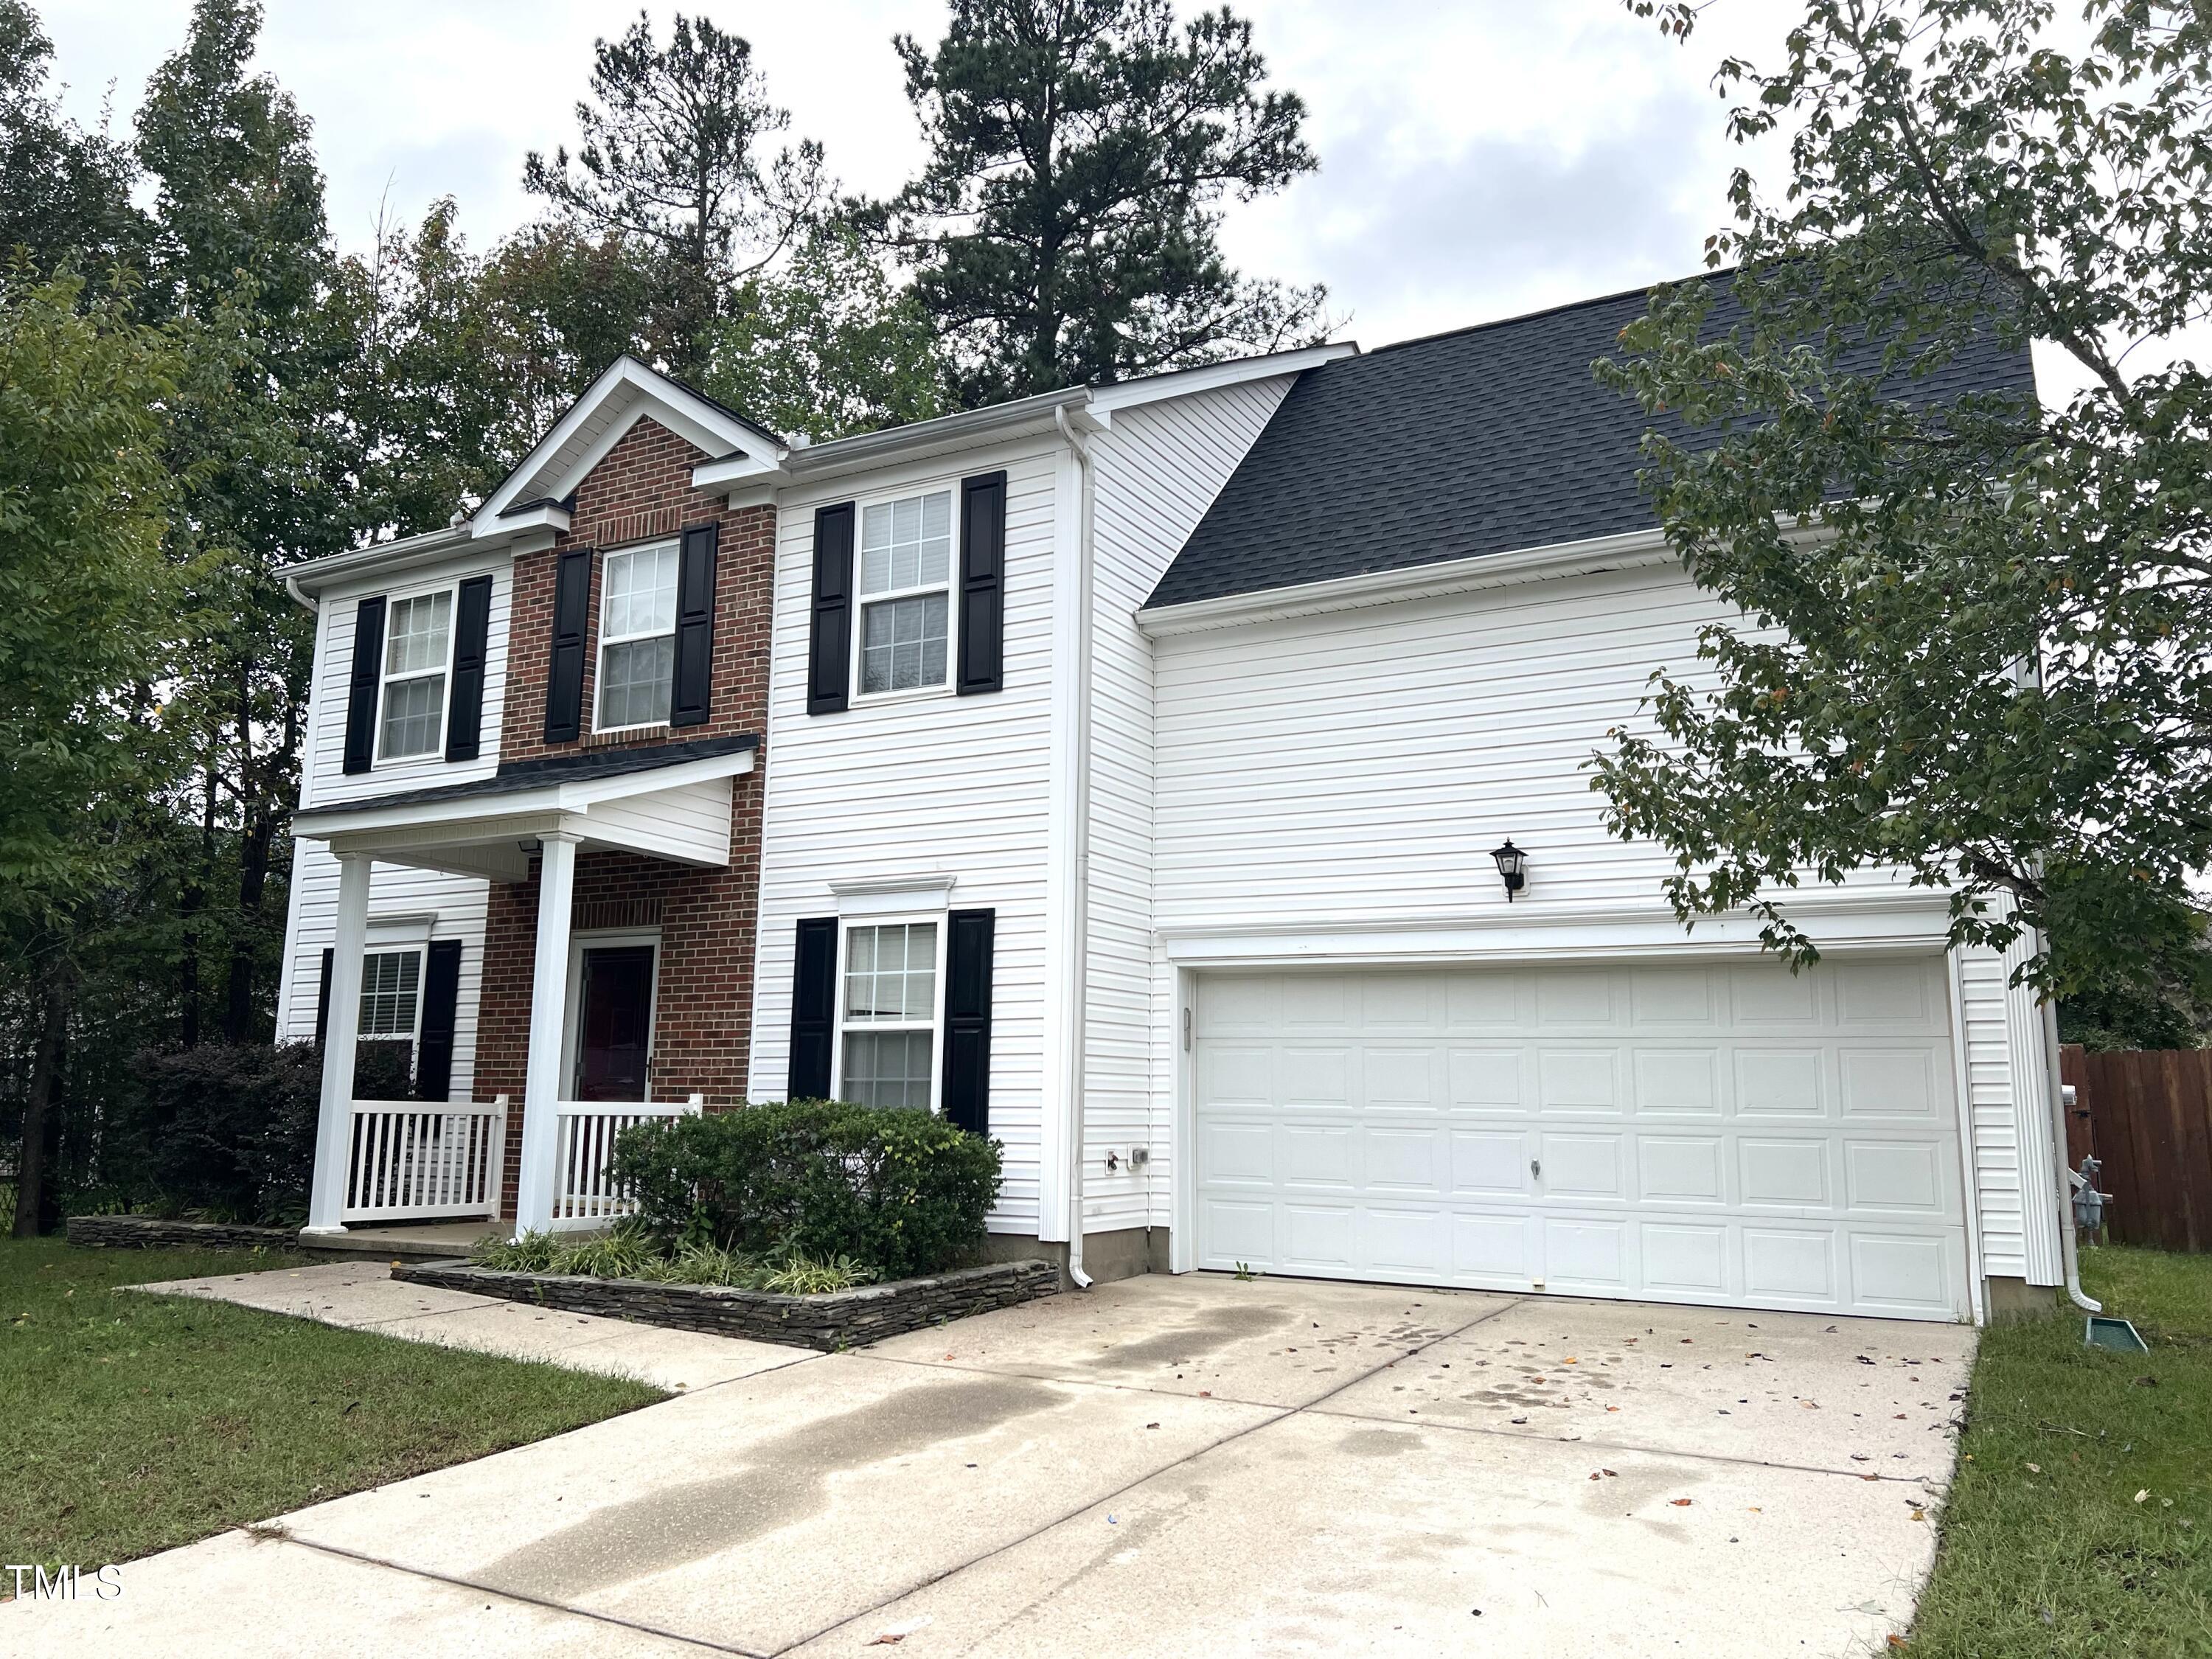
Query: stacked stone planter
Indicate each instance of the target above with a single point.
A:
(146, 1232)
(841, 1319)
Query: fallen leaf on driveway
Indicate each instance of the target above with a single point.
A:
(1679, 1503)
(1919, 1515)
(895, 1634)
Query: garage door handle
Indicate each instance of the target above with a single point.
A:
(1535, 1166)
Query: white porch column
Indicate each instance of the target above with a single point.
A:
(549, 1000)
(341, 1035)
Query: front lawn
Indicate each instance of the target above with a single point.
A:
(2080, 1523)
(130, 1422)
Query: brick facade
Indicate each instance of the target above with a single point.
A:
(703, 1016)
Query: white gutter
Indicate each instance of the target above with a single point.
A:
(2069, 1245)
(1077, 1026)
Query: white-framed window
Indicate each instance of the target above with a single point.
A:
(906, 595)
(390, 993)
(418, 649)
(887, 1010)
(637, 638)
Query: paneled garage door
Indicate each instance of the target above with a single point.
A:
(1734, 1135)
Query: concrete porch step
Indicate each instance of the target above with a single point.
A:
(405, 1241)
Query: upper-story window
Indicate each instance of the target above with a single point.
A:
(637, 638)
(905, 599)
(417, 653)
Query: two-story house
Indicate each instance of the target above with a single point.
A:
(1118, 772)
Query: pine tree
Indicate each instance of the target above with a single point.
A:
(673, 159)
(1066, 227)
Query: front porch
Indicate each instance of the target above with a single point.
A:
(541, 1163)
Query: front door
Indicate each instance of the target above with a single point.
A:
(615, 1023)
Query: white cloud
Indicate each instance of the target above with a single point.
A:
(1477, 159)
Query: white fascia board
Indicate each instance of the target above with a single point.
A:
(311, 577)
(968, 430)
(690, 417)
(549, 515)
(485, 817)
(1915, 922)
(1182, 382)
(1626, 550)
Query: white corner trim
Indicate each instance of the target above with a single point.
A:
(549, 517)
(1630, 549)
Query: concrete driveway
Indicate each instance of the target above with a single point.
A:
(1167, 1466)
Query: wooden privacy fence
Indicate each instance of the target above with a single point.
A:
(2148, 1116)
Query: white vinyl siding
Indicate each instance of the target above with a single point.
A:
(325, 781)
(1156, 470)
(455, 904)
(906, 786)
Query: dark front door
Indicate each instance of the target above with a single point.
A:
(615, 1023)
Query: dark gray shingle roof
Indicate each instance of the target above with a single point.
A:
(515, 776)
(1486, 441)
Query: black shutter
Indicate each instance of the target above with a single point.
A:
(982, 581)
(465, 700)
(361, 689)
(813, 1009)
(571, 612)
(692, 693)
(967, 1095)
(829, 658)
(442, 1001)
(323, 999)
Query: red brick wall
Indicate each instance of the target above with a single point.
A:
(703, 1024)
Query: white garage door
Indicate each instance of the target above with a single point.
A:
(1733, 1135)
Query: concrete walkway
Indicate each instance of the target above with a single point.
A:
(363, 1296)
(1161, 1467)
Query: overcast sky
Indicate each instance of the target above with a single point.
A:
(1479, 159)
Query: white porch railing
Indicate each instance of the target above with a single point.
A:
(584, 1194)
(410, 1162)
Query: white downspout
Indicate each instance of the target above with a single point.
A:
(1077, 1026)
(2068, 1244)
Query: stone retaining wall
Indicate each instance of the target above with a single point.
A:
(842, 1319)
(146, 1232)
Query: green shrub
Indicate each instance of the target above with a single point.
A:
(903, 1192)
(228, 1130)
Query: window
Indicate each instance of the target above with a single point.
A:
(418, 642)
(391, 983)
(889, 1036)
(906, 600)
(638, 639)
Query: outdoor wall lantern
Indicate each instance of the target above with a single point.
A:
(1510, 859)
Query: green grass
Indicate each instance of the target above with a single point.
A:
(2060, 1559)
(130, 1422)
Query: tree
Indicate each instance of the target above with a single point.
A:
(240, 262)
(1977, 633)
(672, 158)
(1065, 229)
(64, 192)
(827, 346)
(85, 621)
